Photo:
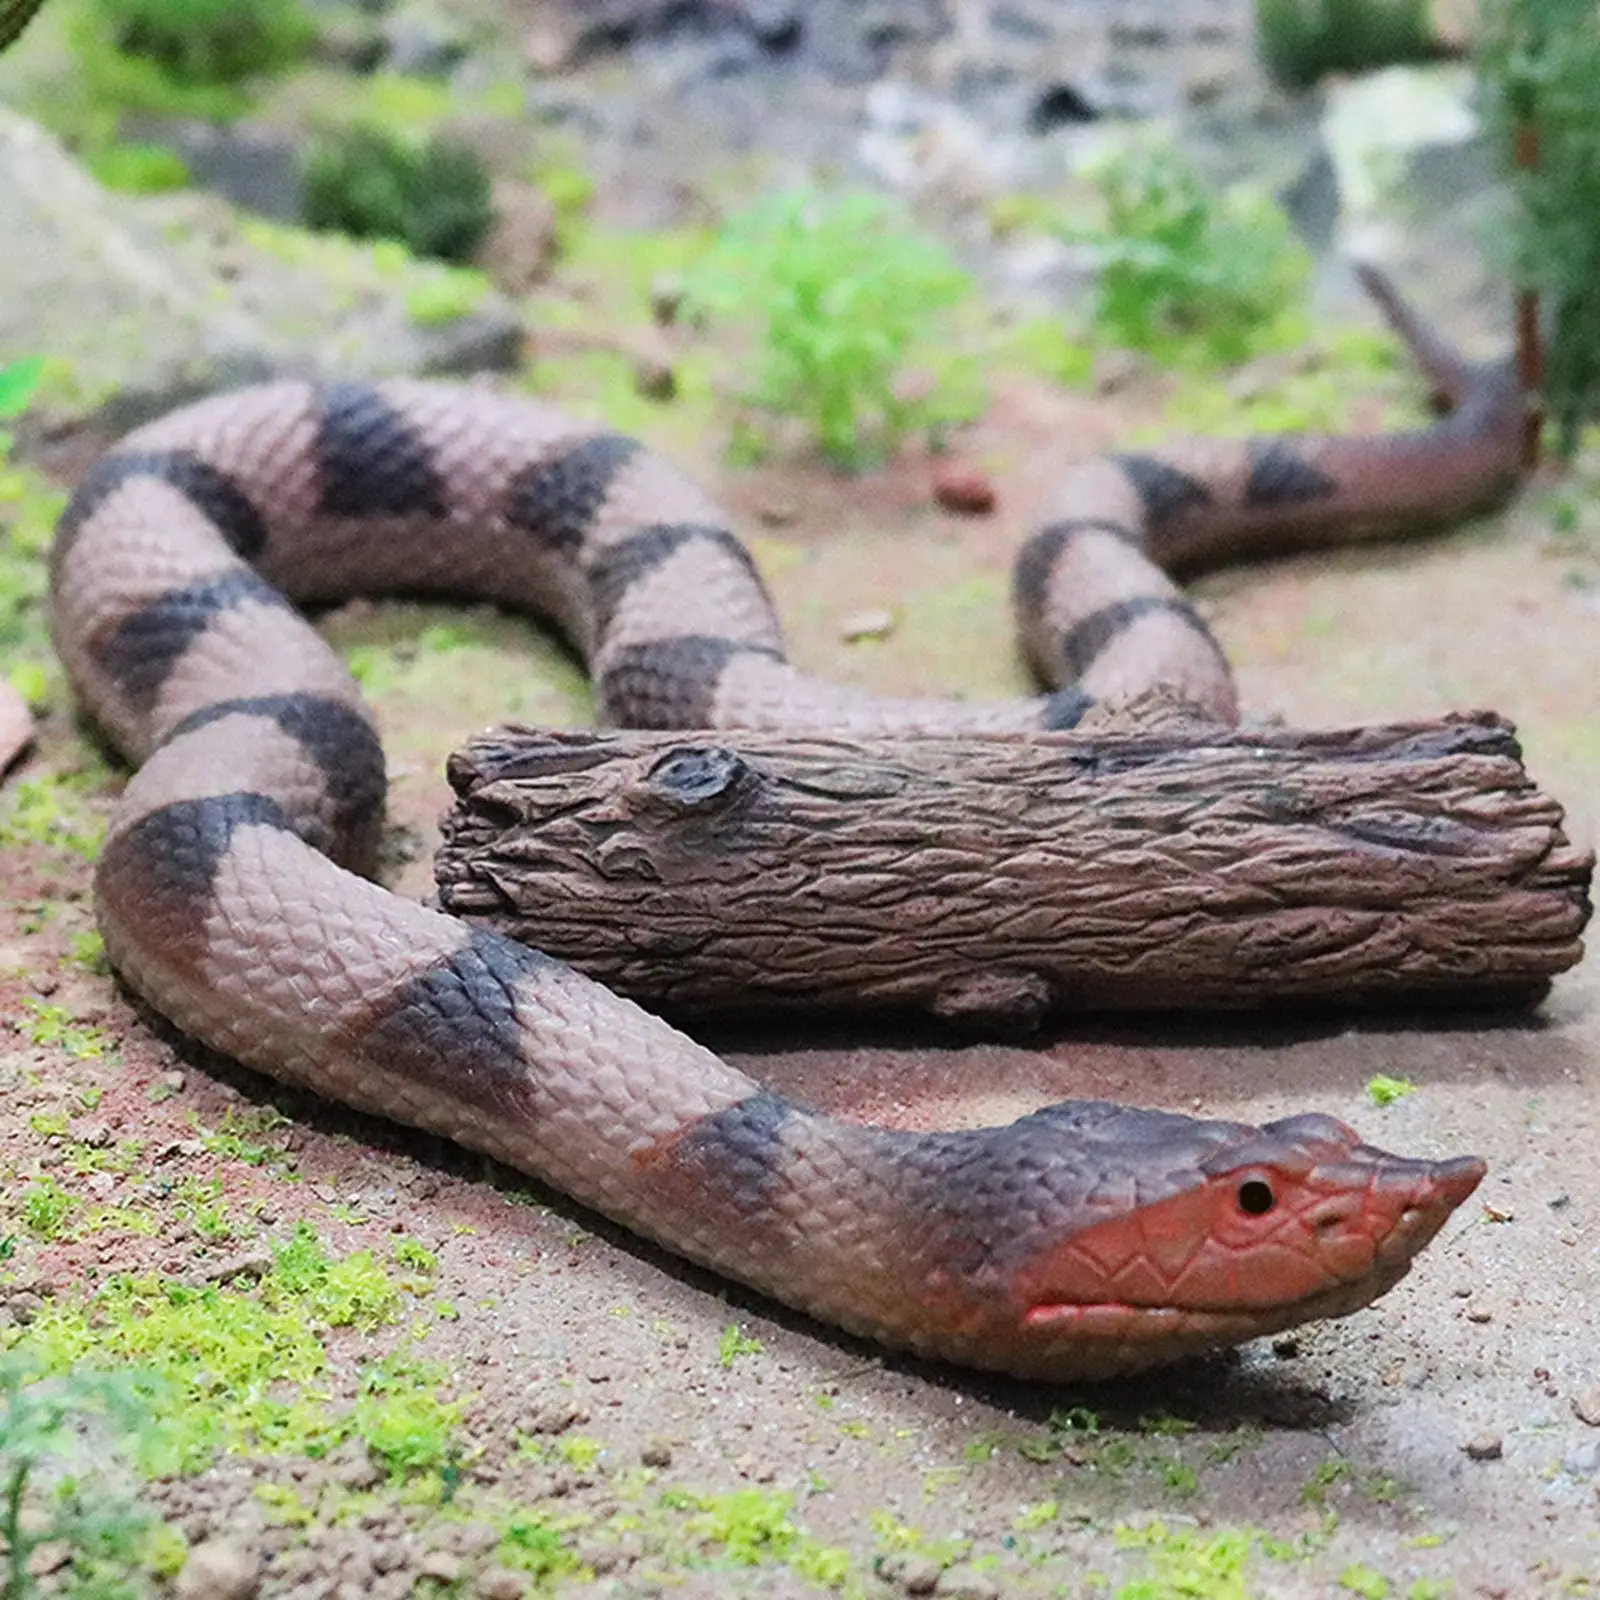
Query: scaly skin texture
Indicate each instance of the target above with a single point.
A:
(1081, 1241)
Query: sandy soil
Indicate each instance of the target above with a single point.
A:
(1349, 1441)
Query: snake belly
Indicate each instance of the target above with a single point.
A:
(1084, 1240)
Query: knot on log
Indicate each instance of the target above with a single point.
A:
(694, 779)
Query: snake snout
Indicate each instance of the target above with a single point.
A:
(1425, 1199)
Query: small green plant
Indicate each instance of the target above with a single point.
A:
(28, 510)
(196, 42)
(433, 197)
(840, 295)
(138, 168)
(735, 1343)
(1383, 1090)
(1301, 41)
(47, 1497)
(46, 1207)
(56, 1027)
(1186, 273)
(1540, 60)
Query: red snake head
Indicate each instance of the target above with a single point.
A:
(1184, 1235)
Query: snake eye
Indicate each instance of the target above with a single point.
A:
(1256, 1198)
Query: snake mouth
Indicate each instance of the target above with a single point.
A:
(1344, 1241)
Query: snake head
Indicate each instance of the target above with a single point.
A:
(1166, 1236)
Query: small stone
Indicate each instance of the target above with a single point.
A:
(1583, 1461)
(861, 625)
(357, 1469)
(441, 1565)
(1114, 370)
(666, 301)
(1486, 1446)
(24, 1306)
(965, 489)
(51, 1556)
(655, 379)
(1480, 1314)
(552, 1416)
(1586, 1406)
(219, 1569)
(244, 1264)
(501, 1583)
(1286, 1348)
(657, 1453)
(918, 1574)
(962, 1582)
(16, 725)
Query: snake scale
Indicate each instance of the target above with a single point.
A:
(1084, 1240)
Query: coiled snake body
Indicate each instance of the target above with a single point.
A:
(1084, 1240)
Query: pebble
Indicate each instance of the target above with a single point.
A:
(219, 1569)
(1480, 1314)
(1582, 1461)
(246, 1264)
(866, 625)
(962, 1582)
(666, 301)
(918, 1574)
(964, 489)
(1586, 1406)
(440, 1565)
(657, 1453)
(358, 1470)
(501, 1583)
(50, 1556)
(16, 725)
(655, 379)
(1485, 1446)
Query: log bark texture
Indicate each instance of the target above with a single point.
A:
(990, 880)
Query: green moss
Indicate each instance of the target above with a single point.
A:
(1206, 1566)
(1314, 1491)
(52, 810)
(54, 1026)
(735, 1343)
(755, 1527)
(536, 1546)
(1360, 1579)
(1047, 346)
(413, 1255)
(1038, 1515)
(86, 950)
(445, 296)
(199, 1202)
(1384, 1091)
(354, 1291)
(403, 1418)
(230, 1369)
(579, 1451)
(139, 168)
(46, 1208)
(29, 507)
(240, 1136)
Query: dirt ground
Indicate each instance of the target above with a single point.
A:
(1337, 1461)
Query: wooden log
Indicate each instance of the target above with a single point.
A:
(993, 879)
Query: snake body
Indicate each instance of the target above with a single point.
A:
(1084, 1240)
